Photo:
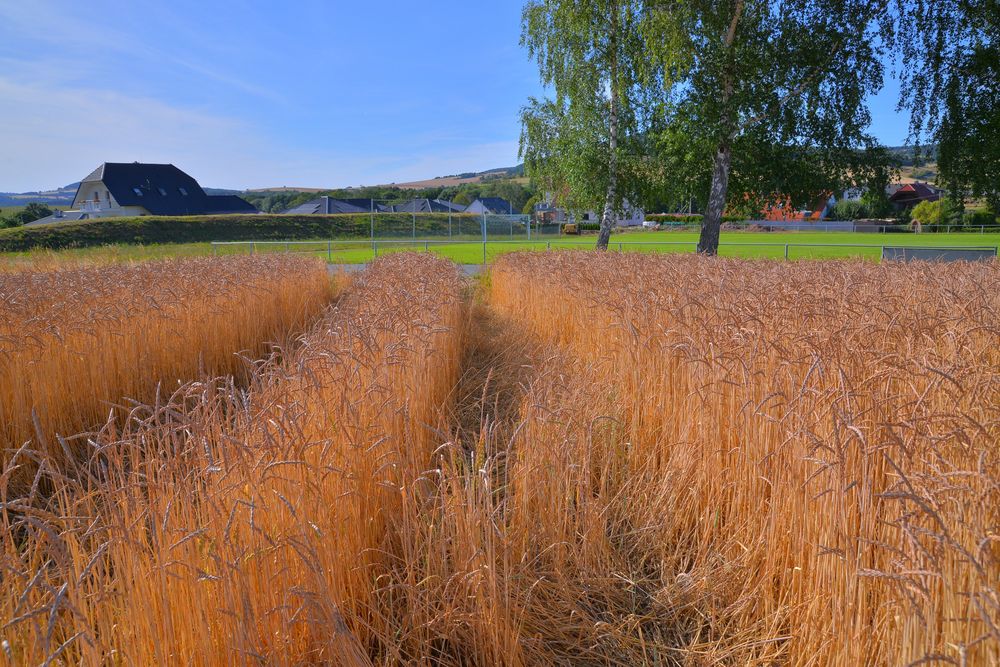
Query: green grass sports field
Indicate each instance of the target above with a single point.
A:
(801, 245)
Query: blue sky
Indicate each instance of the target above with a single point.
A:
(248, 93)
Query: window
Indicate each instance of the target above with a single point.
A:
(137, 191)
(183, 191)
(162, 192)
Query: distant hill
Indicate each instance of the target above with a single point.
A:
(908, 156)
(926, 173)
(61, 197)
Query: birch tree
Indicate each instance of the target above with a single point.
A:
(770, 92)
(591, 54)
(950, 82)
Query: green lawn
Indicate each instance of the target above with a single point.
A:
(734, 244)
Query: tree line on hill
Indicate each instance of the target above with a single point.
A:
(727, 103)
(29, 213)
(521, 196)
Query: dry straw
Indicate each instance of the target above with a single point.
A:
(223, 526)
(74, 341)
(803, 456)
(610, 460)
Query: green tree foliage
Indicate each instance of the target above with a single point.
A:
(578, 144)
(30, 213)
(529, 206)
(762, 98)
(927, 213)
(849, 210)
(951, 56)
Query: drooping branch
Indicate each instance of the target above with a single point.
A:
(814, 74)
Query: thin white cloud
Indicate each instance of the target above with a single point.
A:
(62, 29)
(55, 136)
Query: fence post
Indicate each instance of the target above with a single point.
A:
(529, 228)
(449, 222)
(375, 249)
(619, 247)
(288, 248)
(414, 224)
(372, 202)
(253, 247)
(786, 251)
(427, 246)
(484, 253)
(329, 252)
(548, 245)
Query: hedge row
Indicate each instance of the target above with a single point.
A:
(694, 219)
(149, 230)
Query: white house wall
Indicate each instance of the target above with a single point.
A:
(109, 206)
(89, 190)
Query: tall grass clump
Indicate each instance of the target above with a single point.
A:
(783, 463)
(231, 526)
(76, 340)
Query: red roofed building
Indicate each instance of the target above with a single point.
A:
(780, 209)
(911, 194)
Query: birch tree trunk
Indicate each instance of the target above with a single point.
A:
(608, 217)
(711, 224)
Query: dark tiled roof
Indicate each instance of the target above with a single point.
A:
(914, 192)
(367, 205)
(326, 206)
(68, 216)
(162, 189)
(220, 204)
(494, 205)
(427, 206)
(455, 208)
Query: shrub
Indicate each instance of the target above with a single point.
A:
(979, 218)
(850, 210)
(927, 213)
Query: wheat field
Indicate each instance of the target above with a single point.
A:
(76, 340)
(583, 459)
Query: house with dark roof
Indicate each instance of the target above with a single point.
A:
(333, 206)
(117, 189)
(367, 205)
(326, 206)
(909, 195)
(490, 206)
(428, 206)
